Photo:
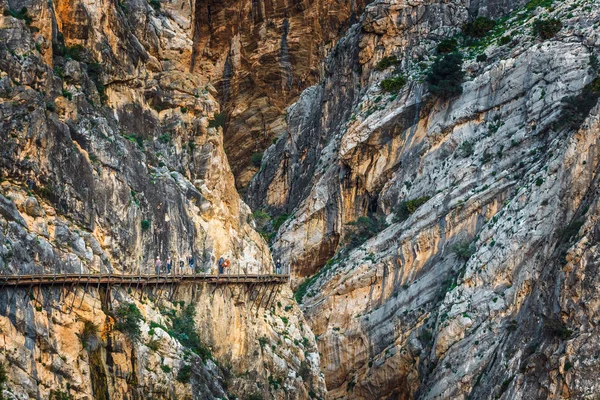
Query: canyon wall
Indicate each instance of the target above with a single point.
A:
(443, 248)
(260, 55)
(112, 155)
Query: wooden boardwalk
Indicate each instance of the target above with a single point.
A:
(142, 280)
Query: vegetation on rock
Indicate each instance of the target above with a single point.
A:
(387, 62)
(394, 84)
(479, 27)
(446, 76)
(128, 319)
(546, 28)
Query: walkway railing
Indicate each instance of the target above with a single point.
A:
(112, 278)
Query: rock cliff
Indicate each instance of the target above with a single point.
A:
(448, 239)
(261, 55)
(112, 155)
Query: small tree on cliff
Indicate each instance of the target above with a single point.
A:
(446, 76)
(128, 318)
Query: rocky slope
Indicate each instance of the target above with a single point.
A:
(471, 273)
(111, 155)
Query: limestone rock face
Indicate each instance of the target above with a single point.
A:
(261, 55)
(474, 276)
(109, 159)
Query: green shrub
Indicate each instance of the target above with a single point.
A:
(263, 341)
(467, 148)
(256, 159)
(135, 139)
(393, 84)
(479, 27)
(363, 229)
(426, 336)
(127, 320)
(557, 328)
(164, 138)
(184, 374)
(279, 220)
(387, 62)
(464, 250)
(20, 14)
(446, 76)
(153, 345)
(155, 4)
(60, 395)
(165, 368)
(504, 40)
(577, 108)
(217, 121)
(89, 334)
(67, 94)
(183, 110)
(145, 225)
(546, 28)
(570, 230)
(184, 330)
(447, 46)
(406, 208)
(481, 57)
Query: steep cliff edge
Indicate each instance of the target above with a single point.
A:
(449, 242)
(112, 155)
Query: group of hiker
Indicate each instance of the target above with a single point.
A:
(168, 267)
(180, 269)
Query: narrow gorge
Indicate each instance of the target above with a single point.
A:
(403, 193)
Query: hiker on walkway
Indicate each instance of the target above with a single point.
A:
(181, 264)
(191, 262)
(278, 267)
(169, 265)
(157, 265)
(220, 263)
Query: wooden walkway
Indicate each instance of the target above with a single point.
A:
(143, 280)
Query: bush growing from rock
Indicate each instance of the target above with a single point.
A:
(479, 27)
(407, 207)
(217, 121)
(446, 76)
(128, 318)
(546, 28)
(184, 374)
(256, 159)
(447, 46)
(363, 229)
(393, 84)
(387, 62)
(576, 108)
(18, 14)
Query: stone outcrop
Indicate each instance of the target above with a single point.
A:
(474, 274)
(112, 155)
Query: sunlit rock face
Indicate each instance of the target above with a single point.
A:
(475, 277)
(111, 156)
